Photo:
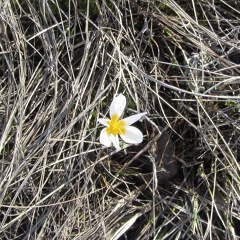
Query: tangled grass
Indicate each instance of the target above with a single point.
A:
(61, 65)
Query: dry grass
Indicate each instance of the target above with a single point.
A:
(61, 64)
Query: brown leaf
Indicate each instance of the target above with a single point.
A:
(163, 152)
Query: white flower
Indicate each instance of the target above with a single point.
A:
(115, 126)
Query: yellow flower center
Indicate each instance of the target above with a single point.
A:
(115, 126)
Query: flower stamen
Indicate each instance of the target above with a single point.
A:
(115, 126)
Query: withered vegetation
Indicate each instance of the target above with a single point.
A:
(62, 62)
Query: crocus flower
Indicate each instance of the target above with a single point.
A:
(116, 126)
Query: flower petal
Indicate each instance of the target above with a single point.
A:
(132, 119)
(132, 135)
(115, 141)
(105, 139)
(118, 105)
(104, 121)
